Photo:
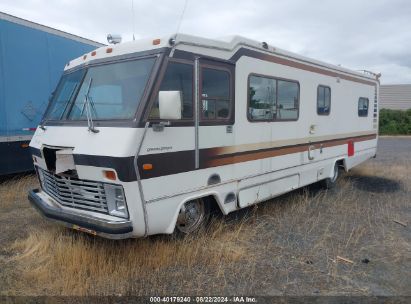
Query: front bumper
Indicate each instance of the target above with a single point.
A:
(121, 229)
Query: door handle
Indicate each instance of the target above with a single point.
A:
(311, 149)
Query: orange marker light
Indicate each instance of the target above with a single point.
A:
(24, 145)
(109, 50)
(156, 41)
(93, 53)
(147, 167)
(110, 174)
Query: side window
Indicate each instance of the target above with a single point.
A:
(323, 100)
(363, 107)
(215, 94)
(178, 77)
(272, 99)
(262, 95)
(287, 101)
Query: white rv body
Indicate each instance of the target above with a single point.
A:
(239, 160)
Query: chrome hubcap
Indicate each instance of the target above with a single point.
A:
(191, 216)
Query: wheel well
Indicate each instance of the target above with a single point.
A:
(341, 164)
(214, 206)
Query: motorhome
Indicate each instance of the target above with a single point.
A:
(146, 137)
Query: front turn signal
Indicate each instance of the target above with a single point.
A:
(110, 174)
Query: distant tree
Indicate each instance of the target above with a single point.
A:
(395, 122)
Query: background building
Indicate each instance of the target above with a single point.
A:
(395, 96)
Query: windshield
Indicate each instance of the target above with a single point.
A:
(64, 93)
(114, 93)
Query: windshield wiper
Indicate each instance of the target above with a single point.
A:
(88, 104)
(66, 103)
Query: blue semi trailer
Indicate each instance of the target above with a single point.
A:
(32, 58)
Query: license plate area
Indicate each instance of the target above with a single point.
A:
(82, 229)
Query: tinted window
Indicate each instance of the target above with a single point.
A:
(323, 100)
(272, 99)
(363, 107)
(178, 77)
(262, 96)
(215, 94)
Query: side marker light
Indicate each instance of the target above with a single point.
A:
(147, 167)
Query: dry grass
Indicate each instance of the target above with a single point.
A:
(14, 189)
(68, 263)
(344, 223)
(287, 246)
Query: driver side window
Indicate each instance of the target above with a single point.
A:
(178, 77)
(215, 94)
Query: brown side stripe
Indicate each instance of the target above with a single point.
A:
(220, 160)
(166, 163)
(302, 66)
(183, 161)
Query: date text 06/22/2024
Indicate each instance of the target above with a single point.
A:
(235, 299)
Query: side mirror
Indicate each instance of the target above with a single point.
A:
(170, 104)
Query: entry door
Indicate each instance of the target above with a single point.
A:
(215, 115)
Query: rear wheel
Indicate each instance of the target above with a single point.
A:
(193, 216)
(330, 182)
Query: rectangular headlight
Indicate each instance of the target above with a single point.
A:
(116, 201)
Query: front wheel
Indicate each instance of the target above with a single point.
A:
(193, 216)
(330, 182)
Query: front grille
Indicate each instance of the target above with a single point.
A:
(75, 193)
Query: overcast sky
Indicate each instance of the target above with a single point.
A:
(358, 34)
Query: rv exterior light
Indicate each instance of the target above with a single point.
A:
(147, 167)
(110, 174)
(109, 50)
(171, 41)
(116, 202)
(113, 38)
(120, 204)
(156, 41)
(265, 45)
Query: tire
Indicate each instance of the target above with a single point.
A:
(330, 182)
(194, 216)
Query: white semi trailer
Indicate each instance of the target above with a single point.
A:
(145, 137)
